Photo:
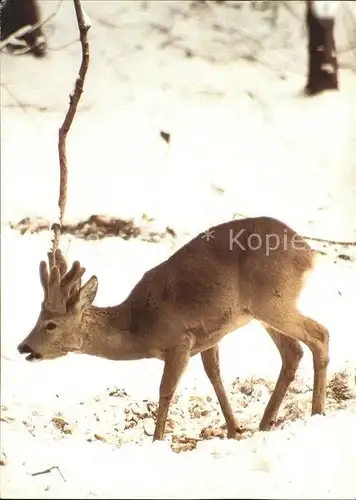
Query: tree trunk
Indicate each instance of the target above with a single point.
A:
(322, 63)
(18, 13)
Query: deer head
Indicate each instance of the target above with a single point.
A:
(58, 328)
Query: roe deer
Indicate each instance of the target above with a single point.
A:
(214, 284)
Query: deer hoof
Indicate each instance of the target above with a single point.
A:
(235, 433)
(267, 426)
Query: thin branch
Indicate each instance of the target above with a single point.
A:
(331, 242)
(15, 98)
(64, 46)
(50, 469)
(24, 30)
(83, 25)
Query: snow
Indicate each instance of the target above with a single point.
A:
(236, 126)
(313, 459)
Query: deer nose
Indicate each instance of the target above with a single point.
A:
(24, 348)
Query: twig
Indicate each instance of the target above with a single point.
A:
(74, 98)
(19, 103)
(236, 215)
(47, 471)
(17, 34)
(331, 242)
(31, 432)
(64, 46)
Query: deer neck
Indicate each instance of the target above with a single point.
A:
(106, 333)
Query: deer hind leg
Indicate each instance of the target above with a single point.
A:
(176, 361)
(296, 326)
(291, 353)
(318, 342)
(211, 364)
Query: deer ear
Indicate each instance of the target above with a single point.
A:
(87, 294)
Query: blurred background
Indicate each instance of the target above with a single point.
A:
(224, 79)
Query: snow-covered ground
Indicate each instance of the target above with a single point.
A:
(226, 84)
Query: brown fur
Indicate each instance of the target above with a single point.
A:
(186, 305)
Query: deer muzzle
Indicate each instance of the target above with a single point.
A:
(24, 348)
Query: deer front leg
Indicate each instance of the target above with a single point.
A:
(176, 361)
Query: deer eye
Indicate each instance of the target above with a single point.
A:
(51, 326)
